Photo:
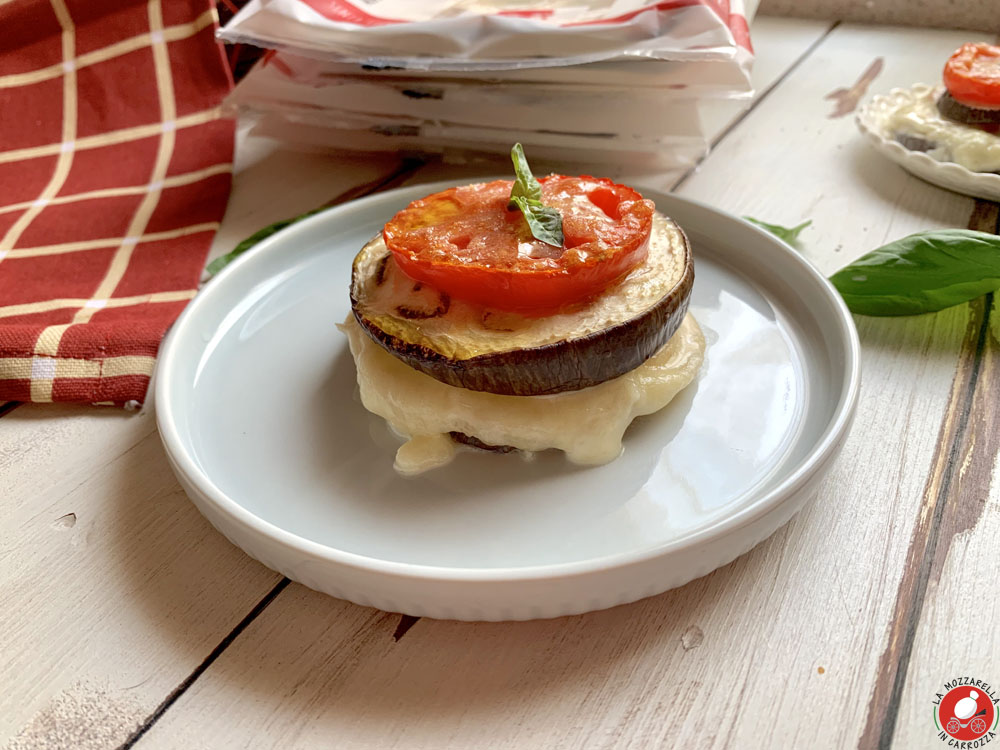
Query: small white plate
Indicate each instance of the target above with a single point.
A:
(871, 119)
(256, 404)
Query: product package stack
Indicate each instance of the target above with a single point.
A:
(591, 81)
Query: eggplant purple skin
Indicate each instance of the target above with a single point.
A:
(552, 368)
(473, 442)
(984, 119)
(915, 142)
(951, 109)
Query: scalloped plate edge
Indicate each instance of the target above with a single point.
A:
(948, 175)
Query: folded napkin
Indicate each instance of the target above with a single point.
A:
(115, 169)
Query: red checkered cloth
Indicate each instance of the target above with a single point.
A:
(115, 169)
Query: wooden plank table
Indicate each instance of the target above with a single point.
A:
(128, 621)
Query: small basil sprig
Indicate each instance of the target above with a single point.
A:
(787, 234)
(544, 221)
(922, 273)
(261, 234)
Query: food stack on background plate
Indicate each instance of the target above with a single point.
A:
(620, 82)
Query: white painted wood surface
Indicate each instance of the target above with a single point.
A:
(109, 610)
(691, 666)
(957, 633)
(114, 587)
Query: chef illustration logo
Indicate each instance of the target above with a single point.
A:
(965, 714)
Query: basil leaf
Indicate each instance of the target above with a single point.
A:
(224, 260)
(787, 234)
(545, 222)
(525, 185)
(924, 272)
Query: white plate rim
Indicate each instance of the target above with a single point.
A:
(946, 174)
(822, 451)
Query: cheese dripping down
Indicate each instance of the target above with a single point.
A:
(917, 115)
(587, 425)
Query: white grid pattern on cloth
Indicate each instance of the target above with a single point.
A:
(170, 34)
(111, 138)
(52, 368)
(79, 245)
(47, 344)
(43, 377)
(66, 151)
(176, 181)
(29, 308)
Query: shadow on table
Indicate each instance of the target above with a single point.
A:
(181, 583)
(910, 196)
(315, 667)
(335, 664)
(333, 667)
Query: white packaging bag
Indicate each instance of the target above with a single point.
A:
(497, 34)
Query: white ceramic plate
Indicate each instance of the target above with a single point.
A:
(871, 121)
(256, 405)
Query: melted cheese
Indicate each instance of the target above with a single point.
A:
(918, 115)
(587, 424)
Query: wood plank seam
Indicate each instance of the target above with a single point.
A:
(637, 664)
(405, 623)
(407, 167)
(757, 101)
(942, 516)
(216, 652)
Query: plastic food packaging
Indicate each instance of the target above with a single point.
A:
(600, 81)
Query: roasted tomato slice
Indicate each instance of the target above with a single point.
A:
(466, 242)
(972, 75)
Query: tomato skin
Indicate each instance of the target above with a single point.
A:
(465, 242)
(972, 75)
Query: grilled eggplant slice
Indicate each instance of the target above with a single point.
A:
(506, 353)
(915, 142)
(473, 442)
(978, 117)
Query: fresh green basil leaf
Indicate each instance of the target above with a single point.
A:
(525, 184)
(787, 234)
(922, 273)
(545, 222)
(224, 260)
